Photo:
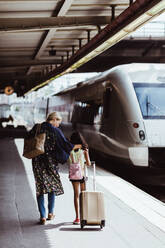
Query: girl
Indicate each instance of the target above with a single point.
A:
(82, 156)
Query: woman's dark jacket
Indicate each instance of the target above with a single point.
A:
(56, 145)
(57, 150)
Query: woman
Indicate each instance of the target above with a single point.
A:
(45, 166)
(79, 156)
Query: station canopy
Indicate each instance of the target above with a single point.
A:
(41, 40)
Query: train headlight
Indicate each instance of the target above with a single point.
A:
(135, 125)
(142, 135)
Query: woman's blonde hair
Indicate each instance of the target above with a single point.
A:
(54, 115)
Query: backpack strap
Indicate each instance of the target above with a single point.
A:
(72, 158)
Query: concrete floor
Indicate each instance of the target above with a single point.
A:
(133, 218)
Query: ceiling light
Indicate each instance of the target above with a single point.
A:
(52, 52)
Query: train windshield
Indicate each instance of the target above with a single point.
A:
(151, 99)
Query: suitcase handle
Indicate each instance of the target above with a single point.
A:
(94, 175)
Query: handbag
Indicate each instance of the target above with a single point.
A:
(34, 146)
(75, 170)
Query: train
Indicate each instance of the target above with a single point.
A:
(120, 112)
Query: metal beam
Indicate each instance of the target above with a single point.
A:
(23, 63)
(24, 0)
(148, 48)
(98, 64)
(21, 77)
(46, 23)
(105, 63)
(118, 56)
(63, 10)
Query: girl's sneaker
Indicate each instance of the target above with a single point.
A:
(76, 222)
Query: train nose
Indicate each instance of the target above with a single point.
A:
(155, 130)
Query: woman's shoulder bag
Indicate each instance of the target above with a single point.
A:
(34, 146)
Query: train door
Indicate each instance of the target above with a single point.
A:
(113, 114)
(86, 119)
(108, 122)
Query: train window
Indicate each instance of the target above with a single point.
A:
(98, 116)
(85, 113)
(151, 99)
(106, 102)
(4, 110)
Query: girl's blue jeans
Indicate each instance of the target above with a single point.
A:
(41, 205)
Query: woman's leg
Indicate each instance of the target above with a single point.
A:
(41, 207)
(76, 197)
(51, 202)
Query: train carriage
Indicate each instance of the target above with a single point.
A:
(121, 113)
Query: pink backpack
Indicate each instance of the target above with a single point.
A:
(75, 170)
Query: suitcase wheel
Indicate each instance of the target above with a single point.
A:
(102, 224)
(83, 223)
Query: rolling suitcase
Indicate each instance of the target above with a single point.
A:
(92, 206)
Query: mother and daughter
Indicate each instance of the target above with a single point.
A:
(46, 170)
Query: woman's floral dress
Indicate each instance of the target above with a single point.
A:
(45, 166)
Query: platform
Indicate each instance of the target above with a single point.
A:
(133, 218)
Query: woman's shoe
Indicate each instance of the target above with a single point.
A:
(76, 222)
(43, 221)
(50, 216)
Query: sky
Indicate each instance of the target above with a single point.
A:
(154, 28)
